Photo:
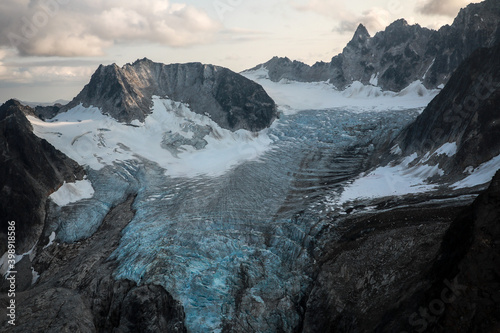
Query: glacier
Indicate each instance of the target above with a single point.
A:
(238, 248)
(227, 226)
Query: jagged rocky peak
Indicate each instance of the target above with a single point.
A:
(360, 37)
(231, 100)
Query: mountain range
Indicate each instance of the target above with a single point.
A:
(401, 54)
(128, 255)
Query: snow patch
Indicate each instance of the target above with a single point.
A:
(396, 150)
(52, 237)
(4, 266)
(448, 149)
(480, 175)
(73, 192)
(374, 79)
(428, 69)
(389, 181)
(35, 276)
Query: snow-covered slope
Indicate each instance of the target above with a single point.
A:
(182, 142)
(293, 96)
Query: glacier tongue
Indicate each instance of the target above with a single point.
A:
(237, 249)
(226, 222)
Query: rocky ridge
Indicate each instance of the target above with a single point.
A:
(401, 54)
(465, 115)
(231, 100)
(31, 170)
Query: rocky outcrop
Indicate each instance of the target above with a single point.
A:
(424, 268)
(460, 291)
(231, 100)
(49, 111)
(76, 290)
(465, 113)
(369, 263)
(31, 170)
(401, 54)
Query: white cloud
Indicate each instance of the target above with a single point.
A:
(70, 28)
(324, 7)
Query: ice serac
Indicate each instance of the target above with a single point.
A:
(401, 54)
(31, 170)
(465, 114)
(231, 100)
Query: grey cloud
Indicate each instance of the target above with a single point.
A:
(374, 20)
(441, 7)
(85, 28)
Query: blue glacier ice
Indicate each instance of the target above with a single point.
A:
(237, 250)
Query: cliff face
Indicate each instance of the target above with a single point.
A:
(460, 289)
(422, 268)
(31, 170)
(402, 53)
(230, 99)
(465, 114)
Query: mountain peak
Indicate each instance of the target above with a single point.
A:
(127, 93)
(12, 106)
(398, 23)
(361, 32)
(360, 37)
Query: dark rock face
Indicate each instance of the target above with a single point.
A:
(402, 53)
(76, 291)
(466, 112)
(231, 100)
(470, 254)
(47, 112)
(31, 170)
(419, 269)
(460, 291)
(377, 260)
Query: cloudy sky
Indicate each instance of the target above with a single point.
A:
(50, 48)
